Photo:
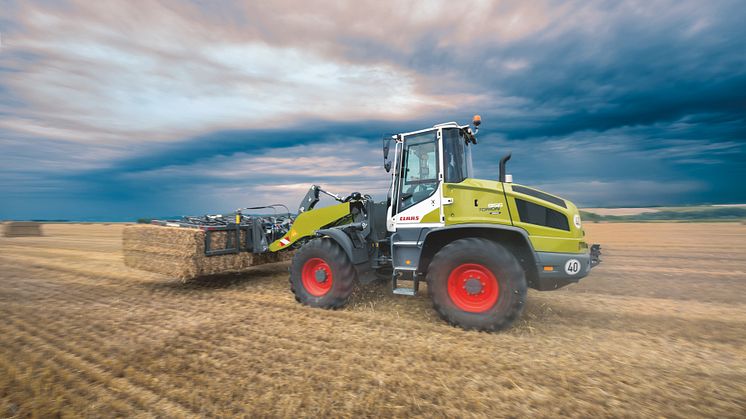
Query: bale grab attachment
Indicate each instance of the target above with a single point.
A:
(235, 233)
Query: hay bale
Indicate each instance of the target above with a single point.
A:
(22, 229)
(180, 252)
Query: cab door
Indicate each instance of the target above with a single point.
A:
(418, 188)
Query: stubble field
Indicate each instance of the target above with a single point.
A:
(659, 329)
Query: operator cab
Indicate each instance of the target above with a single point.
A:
(421, 162)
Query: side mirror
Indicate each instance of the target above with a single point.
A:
(386, 140)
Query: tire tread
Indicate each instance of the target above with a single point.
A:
(509, 263)
(345, 274)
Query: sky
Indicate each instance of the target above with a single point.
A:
(116, 110)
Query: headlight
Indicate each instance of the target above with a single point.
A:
(576, 220)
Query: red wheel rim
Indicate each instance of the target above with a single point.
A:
(316, 277)
(473, 288)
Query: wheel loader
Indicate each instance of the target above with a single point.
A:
(478, 244)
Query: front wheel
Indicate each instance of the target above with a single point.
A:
(477, 284)
(321, 274)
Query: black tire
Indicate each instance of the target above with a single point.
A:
(342, 273)
(508, 273)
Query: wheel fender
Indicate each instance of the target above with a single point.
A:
(430, 245)
(344, 241)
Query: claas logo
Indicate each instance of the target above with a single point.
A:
(410, 218)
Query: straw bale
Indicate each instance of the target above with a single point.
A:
(22, 229)
(180, 252)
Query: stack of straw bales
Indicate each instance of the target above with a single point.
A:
(180, 252)
(22, 229)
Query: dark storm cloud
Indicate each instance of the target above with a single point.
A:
(636, 66)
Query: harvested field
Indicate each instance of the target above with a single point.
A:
(659, 329)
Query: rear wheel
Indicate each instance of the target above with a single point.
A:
(477, 284)
(321, 274)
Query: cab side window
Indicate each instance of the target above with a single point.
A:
(455, 161)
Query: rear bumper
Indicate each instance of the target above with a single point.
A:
(555, 270)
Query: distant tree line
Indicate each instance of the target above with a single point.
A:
(718, 214)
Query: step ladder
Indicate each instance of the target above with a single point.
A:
(405, 275)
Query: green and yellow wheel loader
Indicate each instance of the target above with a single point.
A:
(478, 244)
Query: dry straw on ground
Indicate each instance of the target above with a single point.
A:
(656, 331)
(180, 252)
(22, 229)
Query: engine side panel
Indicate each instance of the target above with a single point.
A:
(545, 238)
(479, 201)
(475, 201)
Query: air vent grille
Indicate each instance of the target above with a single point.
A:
(536, 214)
